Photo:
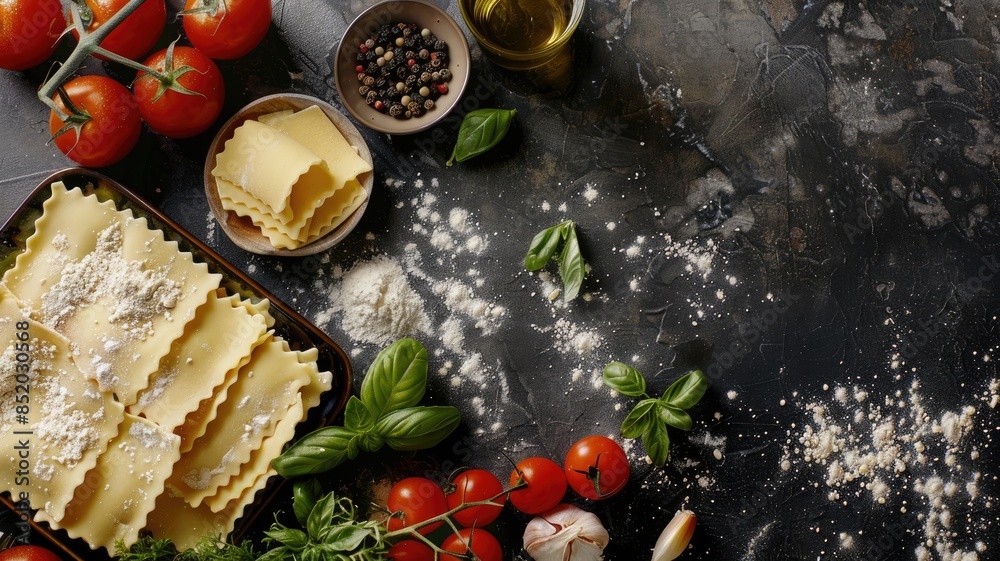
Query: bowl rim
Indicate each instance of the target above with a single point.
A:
(427, 123)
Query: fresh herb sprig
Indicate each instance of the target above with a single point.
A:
(572, 266)
(386, 413)
(648, 420)
(480, 131)
(208, 548)
(331, 529)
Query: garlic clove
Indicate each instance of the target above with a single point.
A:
(566, 533)
(675, 537)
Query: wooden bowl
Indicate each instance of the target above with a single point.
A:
(241, 229)
(424, 14)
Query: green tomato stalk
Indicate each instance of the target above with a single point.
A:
(90, 44)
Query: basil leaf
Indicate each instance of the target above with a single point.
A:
(289, 537)
(318, 451)
(354, 447)
(677, 418)
(687, 390)
(624, 379)
(572, 267)
(657, 444)
(345, 538)
(370, 442)
(397, 378)
(304, 497)
(321, 516)
(357, 416)
(417, 428)
(481, 130)
(280, 553)
(544, 246)
(639, 420)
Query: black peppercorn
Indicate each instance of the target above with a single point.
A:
(404, 66)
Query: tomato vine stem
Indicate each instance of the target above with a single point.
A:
(412, 530)
(89, 44)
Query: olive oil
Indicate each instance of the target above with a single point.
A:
(521, 25)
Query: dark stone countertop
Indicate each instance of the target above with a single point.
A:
(786, 194)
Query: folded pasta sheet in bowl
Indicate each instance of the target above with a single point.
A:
(288, 175)
(152, 382)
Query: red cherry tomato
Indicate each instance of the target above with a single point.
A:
(596, 467)
(546, 485)
(177, 114)
(228, 28)
(29, 30)
(136, 35)
(415, 499)
(28, 553)
(472, 486)
(481, 543)
(410, 550)
(114, 124)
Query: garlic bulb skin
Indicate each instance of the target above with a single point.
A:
(566, 533)
(675, 537)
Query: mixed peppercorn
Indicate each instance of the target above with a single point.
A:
(403, 70)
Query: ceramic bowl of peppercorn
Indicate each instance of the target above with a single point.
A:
(402, 66)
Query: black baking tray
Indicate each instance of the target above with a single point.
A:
(289, 325)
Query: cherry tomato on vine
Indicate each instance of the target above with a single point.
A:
(110, 127)
(410, 550)
(472, 486)
(174, 113)
(416, 499)
(29, 31)
(472, 540)
(596, 467)
(226, 29)
(546, 485)
(136, 35)
(28, 553)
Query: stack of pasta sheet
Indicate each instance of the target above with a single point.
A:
(155, 399)
(293, 174)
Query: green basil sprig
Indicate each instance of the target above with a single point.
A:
(572, 266)
(386, 413)
(330, 529)
(481, 130)
(649, 419)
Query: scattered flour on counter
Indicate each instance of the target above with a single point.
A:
(378, 304)
(699, 257)
(382, 299)
(896, 453)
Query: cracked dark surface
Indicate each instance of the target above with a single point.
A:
(842, 157)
